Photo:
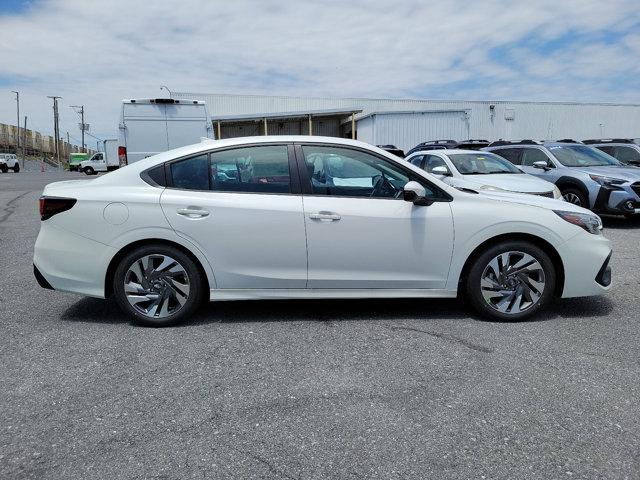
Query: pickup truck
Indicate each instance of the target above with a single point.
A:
(9, 161)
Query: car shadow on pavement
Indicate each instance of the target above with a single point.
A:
(620, 223)
(92, 310)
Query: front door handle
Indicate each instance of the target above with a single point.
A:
(193, 212)
(325, 216)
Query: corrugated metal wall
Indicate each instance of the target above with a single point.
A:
(507, 120)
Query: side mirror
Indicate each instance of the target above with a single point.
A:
(441, 170)
(541, 165)
(415, 193)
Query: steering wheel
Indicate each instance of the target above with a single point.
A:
(382, 187)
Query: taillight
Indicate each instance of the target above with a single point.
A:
(122, 156)
(50, 206)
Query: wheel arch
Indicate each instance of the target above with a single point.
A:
(113, 264)
(568, 182)
(526, 237)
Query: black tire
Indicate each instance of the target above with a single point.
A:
(481, 262)
(195, 280)
(89, 171)
(575, 196)
(4, 169)
(16, 169)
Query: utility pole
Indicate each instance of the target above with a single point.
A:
(56, 133)
(24, 141)
(18, 122)
(82, 125)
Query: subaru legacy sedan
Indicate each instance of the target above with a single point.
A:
(308, 218)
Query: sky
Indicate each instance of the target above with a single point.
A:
(97, 53)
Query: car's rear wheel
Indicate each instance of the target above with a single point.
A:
(574, 196)
(511, 281)
(158, 285)
(89, 170)
(4, 169)
(16, 168)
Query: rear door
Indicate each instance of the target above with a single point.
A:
(242, 207)
(186, 124)
(361, 233)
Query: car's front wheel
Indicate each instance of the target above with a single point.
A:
(158, 285)
(575, 196)
(16, 168)
(89, 171)
(511, 281)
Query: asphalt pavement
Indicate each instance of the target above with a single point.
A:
(312, 389)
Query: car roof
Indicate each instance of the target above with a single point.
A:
(449, 151)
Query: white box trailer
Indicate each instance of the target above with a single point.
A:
(151, 126)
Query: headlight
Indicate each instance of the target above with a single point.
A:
(591, 223)
(491, 188)
(557, 194)
(607, 180)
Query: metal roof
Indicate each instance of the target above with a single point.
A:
(284, 115)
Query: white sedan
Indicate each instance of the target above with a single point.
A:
(308, 217)
(481, 171)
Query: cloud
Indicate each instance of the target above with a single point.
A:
(97, 53)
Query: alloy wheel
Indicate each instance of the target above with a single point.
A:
(512, 282)
(156, 286)
(572, 198)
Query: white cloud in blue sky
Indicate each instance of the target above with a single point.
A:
(97, 53)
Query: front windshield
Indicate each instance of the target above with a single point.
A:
(481, 164)
(581, 156)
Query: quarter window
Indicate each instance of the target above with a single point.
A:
(417, 161)
(511, 154)
(262, 169)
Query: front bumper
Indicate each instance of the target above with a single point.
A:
(618, 200)
(586, 265)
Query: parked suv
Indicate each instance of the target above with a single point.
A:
(585, 175)
(9, 161)
(625, 150)
(448, 144)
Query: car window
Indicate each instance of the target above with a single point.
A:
(481, 163)
(627, 154)
(433, 161)
(609, 150)
(581, 156)
(511, 154)
(191, 173)
(346, 172)
(263, 169)
(532, 155)
(417, 160)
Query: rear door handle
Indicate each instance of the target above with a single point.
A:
(325, 216)
(193, 212)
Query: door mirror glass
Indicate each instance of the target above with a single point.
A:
(441, 170)
(413, 192)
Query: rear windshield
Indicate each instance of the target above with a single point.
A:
(481, 164)
(581, 156)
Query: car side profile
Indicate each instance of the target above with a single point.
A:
(9, 161)
(483, 171)
(308, 217)
(586, 176)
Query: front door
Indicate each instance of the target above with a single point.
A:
(242, 209)
(361, 233)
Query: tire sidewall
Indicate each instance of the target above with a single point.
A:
(88, 171)
(196, 287)
(474, 293)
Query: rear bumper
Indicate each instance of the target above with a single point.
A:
(70, 263)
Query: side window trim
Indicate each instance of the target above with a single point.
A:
(305, 181)
(294, 177)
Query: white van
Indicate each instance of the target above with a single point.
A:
(150, 126)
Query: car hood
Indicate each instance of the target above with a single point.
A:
(511, 182)
(622, 172)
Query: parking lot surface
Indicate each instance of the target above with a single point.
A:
(312, 389)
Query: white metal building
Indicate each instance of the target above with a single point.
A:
(406, 122)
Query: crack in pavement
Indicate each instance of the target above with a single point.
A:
(10, 208)
(444, 336)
